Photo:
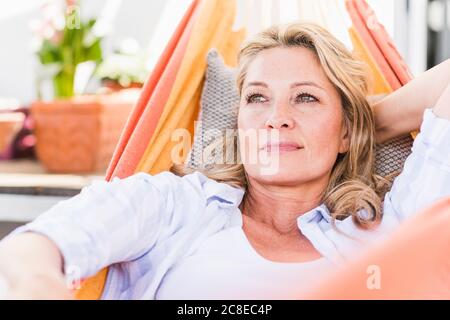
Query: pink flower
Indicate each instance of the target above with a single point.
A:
(71, 2)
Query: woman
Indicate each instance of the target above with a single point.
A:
(235, 231)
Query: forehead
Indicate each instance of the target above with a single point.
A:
(286, 64)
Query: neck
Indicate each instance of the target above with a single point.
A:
(279, 206)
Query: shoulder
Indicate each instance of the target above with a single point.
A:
(191, 187)
(182, 201)
(344, 239)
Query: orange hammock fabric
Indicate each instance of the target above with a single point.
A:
(171, 96)
(379, 83)
(361, 27)
(145, 115)
(182, 107)
(374, 45)
(383, 41)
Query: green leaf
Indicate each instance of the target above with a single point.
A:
(49, 53)
(78, 45)
(94, 52)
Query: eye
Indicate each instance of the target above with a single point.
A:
(306, 98)
(255, 98)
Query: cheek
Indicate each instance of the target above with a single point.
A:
(242, 120)
(322, 138)
(251, 126)
(245, 126)
(251, 118)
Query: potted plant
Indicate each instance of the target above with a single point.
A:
(126, 68)
(74, 133)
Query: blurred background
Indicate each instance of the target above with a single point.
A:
(96, 54)
(420, 29)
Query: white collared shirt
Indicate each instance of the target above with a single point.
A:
(147, 226)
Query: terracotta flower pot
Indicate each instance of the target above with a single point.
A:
(79, 135)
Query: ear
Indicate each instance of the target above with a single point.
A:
(344, 145)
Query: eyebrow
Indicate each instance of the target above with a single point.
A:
(306, 83)
(256, 84)
(294, 85)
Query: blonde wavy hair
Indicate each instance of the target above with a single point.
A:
(353, 184)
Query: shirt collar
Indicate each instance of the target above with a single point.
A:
(220, 190)
(234, 196)
(315, 215)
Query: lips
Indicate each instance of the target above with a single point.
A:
(282, 147)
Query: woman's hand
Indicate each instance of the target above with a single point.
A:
(37, 287)
(401, 112)
(31, 268)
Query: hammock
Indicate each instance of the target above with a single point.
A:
(170, 98)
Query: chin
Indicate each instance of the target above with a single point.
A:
(283, 176)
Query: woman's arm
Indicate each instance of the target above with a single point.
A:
(425, 177)
(107, 223)
(442, 107)
(31, 265)
(401, 112)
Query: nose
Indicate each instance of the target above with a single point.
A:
(280, 118)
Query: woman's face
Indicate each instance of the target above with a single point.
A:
(290, 117)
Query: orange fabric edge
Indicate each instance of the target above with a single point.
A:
(370, 43)
(147, 92)
(379, 84)
(384, 42)
(191, 74)
(92, 288)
